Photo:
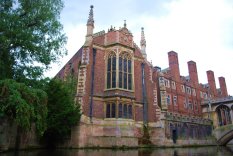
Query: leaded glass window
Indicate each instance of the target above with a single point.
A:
(110, 110)
(111, 71)
(124, 110)
(125, 71)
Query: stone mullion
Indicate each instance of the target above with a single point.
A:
(105, 109)
(133, 110)
(117, 103)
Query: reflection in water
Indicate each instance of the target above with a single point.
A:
(200, 151)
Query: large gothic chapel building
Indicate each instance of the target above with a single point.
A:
(120, 92)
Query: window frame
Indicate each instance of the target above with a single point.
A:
(123, 71)
(125, 74)
(110, 72)
(119, 110)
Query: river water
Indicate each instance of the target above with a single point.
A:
(197, 151)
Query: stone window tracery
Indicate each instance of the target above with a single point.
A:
(224, 116)
(123, 72)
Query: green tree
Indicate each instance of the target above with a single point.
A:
(31, 37)
(23, 105)
(63, 112)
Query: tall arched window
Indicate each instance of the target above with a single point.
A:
(111, 71)
(224, 116)
(125, 71)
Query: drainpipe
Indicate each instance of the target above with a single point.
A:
(92, 84)
(145, 107)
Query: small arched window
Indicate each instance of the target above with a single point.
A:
(224, 116)
(111, 71)
(125, 71)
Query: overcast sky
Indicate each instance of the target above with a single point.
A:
(198, 30)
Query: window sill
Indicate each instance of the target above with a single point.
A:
(119, 119)
(120, 89)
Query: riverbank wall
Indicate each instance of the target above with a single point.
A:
(116, 133)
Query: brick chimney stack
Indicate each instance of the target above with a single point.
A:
(223, 86)
(193, 72)
(174, 65)
(211, 82)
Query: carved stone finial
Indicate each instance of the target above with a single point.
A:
(143, 43)
(90, 27)
(90, 20)
(143, 40)
(124, 23)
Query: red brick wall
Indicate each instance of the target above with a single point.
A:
(123, 37)
(223, 86)
(193, 72)
(211, 82)
(100, 71)
(174, 65)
